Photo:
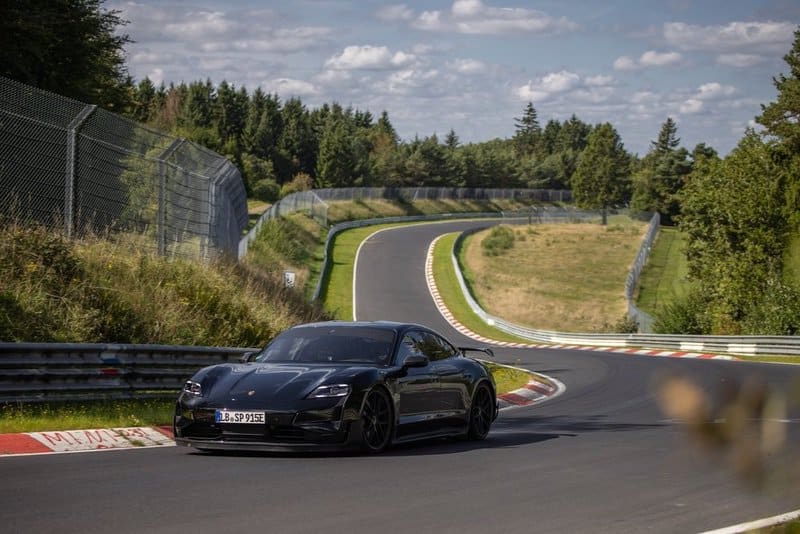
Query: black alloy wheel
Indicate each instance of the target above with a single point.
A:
(376, 422)
(481, 413)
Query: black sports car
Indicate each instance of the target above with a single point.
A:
(339, 385)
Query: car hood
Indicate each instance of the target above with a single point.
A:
(258, 383)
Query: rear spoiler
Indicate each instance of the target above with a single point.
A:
(485, 350)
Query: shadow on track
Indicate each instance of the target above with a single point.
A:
(572, 425)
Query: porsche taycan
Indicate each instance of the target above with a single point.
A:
(339, 385)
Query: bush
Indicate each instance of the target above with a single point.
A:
(499, 240)
(776, 314)
(300, 182)
(686, 316)
(266, 190)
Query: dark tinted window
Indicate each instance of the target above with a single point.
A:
(431, 345)
(342, 344)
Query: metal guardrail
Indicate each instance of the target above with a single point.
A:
(56, 372)
(743, 345)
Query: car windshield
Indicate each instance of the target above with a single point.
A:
(331, 344)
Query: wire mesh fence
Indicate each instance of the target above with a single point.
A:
(74, 166)
(316, 201)
(643, 319)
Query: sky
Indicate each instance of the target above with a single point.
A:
(473, 65)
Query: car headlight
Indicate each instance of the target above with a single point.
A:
(331, 390)
(193, 388)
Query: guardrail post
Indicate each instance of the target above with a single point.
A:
(72, 153)
(162, 194)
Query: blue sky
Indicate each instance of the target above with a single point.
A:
(472, 65)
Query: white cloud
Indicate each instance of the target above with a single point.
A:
(651, 58)
(200, 24)
(429, 20)
(691, 106)
(714, 91)
(549, 86)
(747, 37)
(290, 87)
(156, 76)
(406, 81)
(468, 66)
(396, 12)
(599, 80)
(368, 57)
(711, 92)
(740, 61)
(625, 63)
(476, 18)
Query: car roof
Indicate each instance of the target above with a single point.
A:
(382, 325)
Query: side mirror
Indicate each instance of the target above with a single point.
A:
(416, 360)
(248, 357)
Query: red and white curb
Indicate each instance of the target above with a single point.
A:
(450, 318)
(97, 439)
(535, 391)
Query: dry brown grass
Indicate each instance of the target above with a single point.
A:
(562, 277)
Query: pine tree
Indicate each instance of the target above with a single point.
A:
(657, 185)
(72, 47)
(384, 125)
(782, 117)
(528, 131)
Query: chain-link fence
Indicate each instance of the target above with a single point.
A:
(74, 166)
(315, 202)
(643, 319)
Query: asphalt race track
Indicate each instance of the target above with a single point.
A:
(599, 458)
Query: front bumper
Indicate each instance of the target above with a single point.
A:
(324, 428)
(351, 441)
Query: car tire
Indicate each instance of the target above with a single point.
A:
(481, 413)
(376, 422)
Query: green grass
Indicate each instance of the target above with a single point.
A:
(450, 291)
(85, 415)
(337, 290)
(664, 278)
(114, 291)
(552, 278)
(507, 378)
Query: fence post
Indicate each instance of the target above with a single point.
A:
(162, 194)
(69, 187)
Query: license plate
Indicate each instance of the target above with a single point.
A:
(240, 418)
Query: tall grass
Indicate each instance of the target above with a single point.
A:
(109, 290)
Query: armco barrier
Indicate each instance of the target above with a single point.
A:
(45, 372)
(743, 345)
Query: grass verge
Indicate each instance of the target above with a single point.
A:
(337, 291)
(561, 277)
(85, 415)
(506, 378)
(450, 291)
(664, 277)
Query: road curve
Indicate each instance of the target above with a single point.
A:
(599, 458)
